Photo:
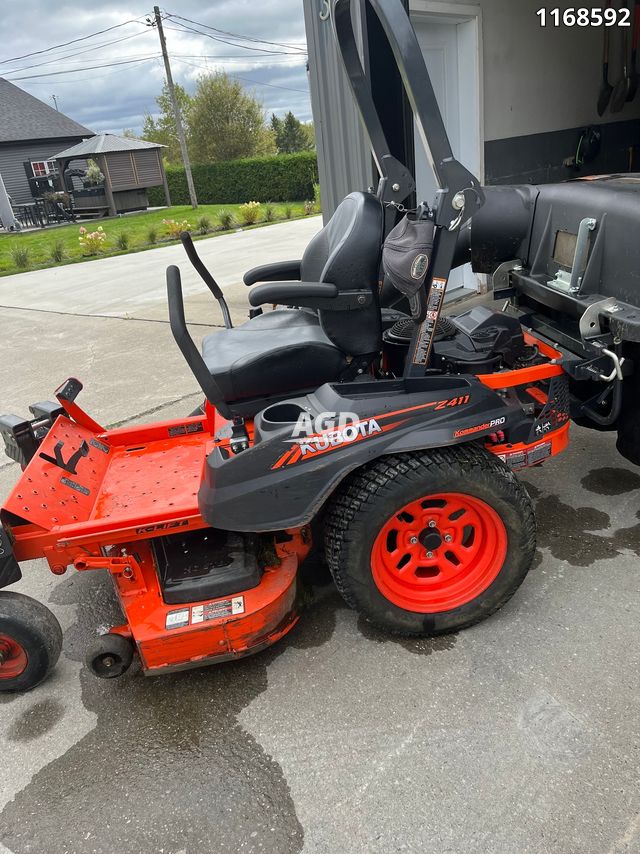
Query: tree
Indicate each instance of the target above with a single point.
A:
(129, 133)
(291, 135)
(310, 132)
(163, 129)
(225, 122)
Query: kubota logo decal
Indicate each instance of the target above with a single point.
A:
(310, 446)
(352, 433)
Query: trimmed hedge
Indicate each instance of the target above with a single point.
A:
(279, 178)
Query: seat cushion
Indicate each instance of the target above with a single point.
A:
(278, 351)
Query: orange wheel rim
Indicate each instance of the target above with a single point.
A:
(13, 658)
(439, 552)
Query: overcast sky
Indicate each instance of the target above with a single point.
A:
(114, 98)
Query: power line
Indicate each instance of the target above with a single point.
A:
(247, 57)
(76, 53)
(246, 79)
(235, 35)
(73, 41)
(231, 44)
(86, 68)
(92, 78)
(222, 58)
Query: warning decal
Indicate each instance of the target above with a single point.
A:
(428, 327)
(215, 610)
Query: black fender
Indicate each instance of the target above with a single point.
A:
(282, 481)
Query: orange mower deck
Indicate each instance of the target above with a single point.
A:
(133, 485)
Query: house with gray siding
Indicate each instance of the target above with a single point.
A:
(31, 134)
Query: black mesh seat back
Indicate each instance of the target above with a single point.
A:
(346, 253)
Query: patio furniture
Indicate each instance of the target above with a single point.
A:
(28, 215)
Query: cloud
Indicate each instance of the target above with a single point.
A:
(114, 98)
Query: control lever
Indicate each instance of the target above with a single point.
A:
(205, 275)
(187, 347)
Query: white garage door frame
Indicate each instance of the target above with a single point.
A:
(468, 19)
(468, 22)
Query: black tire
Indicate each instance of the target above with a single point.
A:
(27, 627)
(109, 656)
(370, 497)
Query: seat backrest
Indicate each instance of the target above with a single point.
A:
(347, 253)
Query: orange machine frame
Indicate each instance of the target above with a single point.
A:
(118, 502)
(141, 482)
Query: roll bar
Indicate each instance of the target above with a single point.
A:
(460, 193)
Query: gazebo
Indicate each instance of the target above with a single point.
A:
(129, 167)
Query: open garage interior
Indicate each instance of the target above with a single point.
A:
(516, 98)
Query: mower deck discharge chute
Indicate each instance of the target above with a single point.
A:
(354, 417)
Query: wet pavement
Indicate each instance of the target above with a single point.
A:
(521, 734)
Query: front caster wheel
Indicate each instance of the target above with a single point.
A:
(109, 656)
(30, 642)
(430, 542)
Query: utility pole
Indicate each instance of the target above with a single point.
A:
(176, 110)
(55, 101)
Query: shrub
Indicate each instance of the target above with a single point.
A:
(249, 212)
(280, 178)
(57, 251)
(269, 213)
(288, 212)
(92, 242)
(152, 235)
(309, 208)
(317, 201)
(226, 220)
(20, 256)
(122, 240)
(204, 225)
(174, 229)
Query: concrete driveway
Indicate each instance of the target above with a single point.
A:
(519, 735)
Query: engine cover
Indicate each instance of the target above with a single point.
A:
(484, 341)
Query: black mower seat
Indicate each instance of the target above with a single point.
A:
(279, 351)
(294, 349)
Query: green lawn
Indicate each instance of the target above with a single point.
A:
(40, 244)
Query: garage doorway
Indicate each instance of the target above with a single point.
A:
(451, 45)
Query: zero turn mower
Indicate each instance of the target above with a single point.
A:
(354, 416)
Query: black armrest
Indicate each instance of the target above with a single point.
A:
(280, 271)
(292, 293)
(310, 295)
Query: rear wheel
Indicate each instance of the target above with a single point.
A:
(430, 542)
(30, 642)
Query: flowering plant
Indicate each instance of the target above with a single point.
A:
(249, 212)
(92, 242)
(93, 177)
(174, 228)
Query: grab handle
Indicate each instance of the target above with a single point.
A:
(187, 347)
(205, 275)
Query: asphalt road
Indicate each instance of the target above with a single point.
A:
(519, 735)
